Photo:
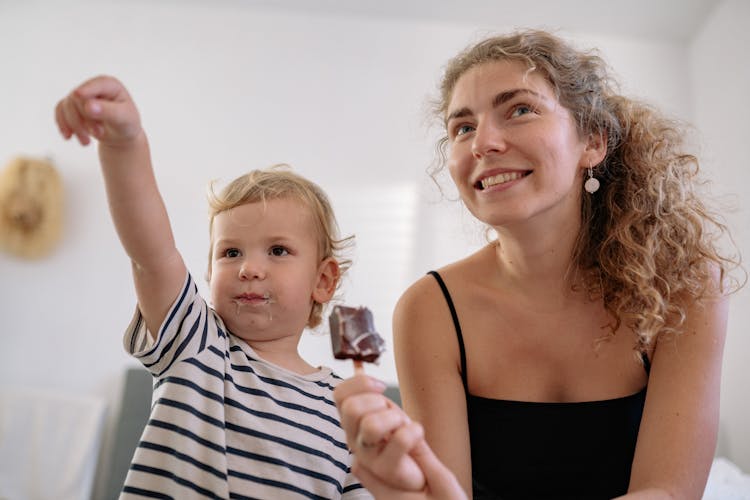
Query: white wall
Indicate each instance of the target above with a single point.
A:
(223, 88)
(720, 79)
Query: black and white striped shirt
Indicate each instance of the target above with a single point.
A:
(226, 424)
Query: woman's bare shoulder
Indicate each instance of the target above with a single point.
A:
(469, 271)
(421, 294)
(426, 292)
(424, 308)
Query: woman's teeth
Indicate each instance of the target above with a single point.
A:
(500, 179)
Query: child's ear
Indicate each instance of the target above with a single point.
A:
(328, 278)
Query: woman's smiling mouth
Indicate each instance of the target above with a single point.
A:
(501, 178)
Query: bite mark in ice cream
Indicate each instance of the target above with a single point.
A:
(353, 334)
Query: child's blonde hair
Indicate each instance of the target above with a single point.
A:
(276, 182)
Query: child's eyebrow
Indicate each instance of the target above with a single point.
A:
(498, 100)
(225, 241)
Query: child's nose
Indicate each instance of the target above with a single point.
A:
(252, 269)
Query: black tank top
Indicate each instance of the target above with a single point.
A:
(529, 450)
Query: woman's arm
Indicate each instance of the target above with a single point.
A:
(677, 437)
(428, 364)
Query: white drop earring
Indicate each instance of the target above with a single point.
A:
(592, 183)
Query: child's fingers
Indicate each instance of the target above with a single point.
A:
(440, 480)
(373, 483)
(354, 397)
(368, 480)
(354, 408)
(376, 427)
(440, 483)
(113, 115)
(71, 120)
(102, 87)
(62, 122)
(356, 385)
(100, 107)
(395, 461)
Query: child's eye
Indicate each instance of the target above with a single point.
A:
(278, 251)
(231, 252)
(521, 109)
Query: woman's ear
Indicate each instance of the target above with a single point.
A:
(328, 278)
(595, 150)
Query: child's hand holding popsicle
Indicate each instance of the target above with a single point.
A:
(379, 433)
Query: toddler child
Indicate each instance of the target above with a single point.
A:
(236, 411)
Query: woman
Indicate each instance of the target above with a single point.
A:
(578, 355)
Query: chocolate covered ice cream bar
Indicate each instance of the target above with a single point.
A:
(353, 334)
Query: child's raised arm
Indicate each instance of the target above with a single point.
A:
(102, 108)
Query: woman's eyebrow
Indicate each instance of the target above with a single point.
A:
(498, 100)
(506, 96)
(459, 113)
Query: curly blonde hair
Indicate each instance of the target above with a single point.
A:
(276, 182)
(648, 244)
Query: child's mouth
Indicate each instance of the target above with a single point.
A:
(253, 299)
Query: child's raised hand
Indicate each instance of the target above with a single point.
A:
(101, 108)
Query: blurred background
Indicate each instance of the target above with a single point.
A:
(340, 90)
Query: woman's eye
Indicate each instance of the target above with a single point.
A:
(463, 129)
(521, 109)
(231, 252)
(278, 251)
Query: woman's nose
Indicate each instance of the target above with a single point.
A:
(489, 138)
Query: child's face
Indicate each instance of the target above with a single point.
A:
(266, 272)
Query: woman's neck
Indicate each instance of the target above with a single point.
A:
(538, 260)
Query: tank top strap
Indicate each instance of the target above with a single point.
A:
(457, 325)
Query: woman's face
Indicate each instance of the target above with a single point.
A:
(514, 151)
